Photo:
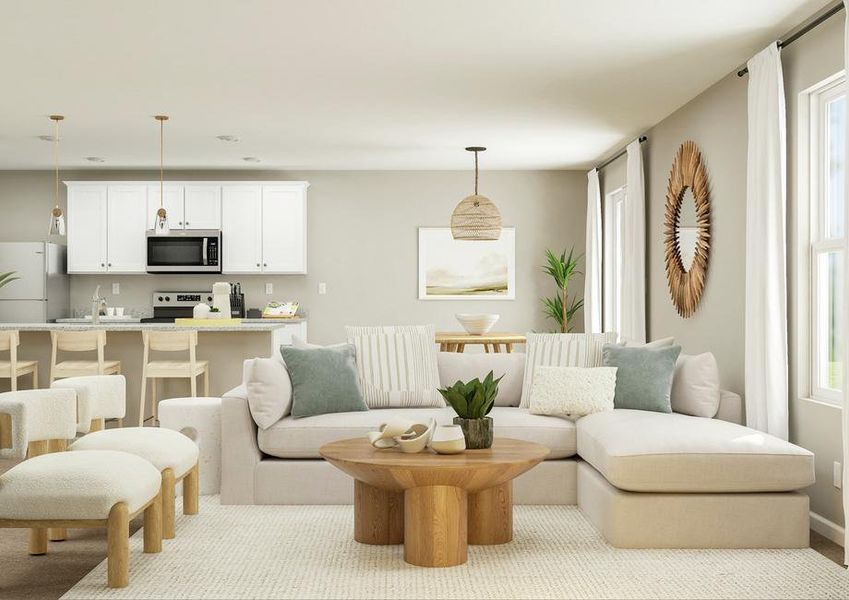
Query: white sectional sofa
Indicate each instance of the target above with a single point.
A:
(644, 479)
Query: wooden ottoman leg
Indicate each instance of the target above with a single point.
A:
(153, 525)
(37, 541)
(491, 515)
(57, 534)
(118, 546)
(191, 491)
(5, 430)
(435, 526)
(168, 510)
(378, 515)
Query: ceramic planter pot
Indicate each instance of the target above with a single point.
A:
(478, 432)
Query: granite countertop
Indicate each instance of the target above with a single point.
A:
(246, 325)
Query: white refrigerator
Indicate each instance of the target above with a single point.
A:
(43, 291)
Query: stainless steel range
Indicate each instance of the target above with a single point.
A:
(168, 306)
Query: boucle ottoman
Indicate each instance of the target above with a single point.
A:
(85, 489)
(99, 397)
(173, 454)
(200, 419)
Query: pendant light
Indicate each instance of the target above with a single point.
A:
(57, 217)
(476, 217)
(160, 226)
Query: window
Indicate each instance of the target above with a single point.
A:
(614, 203)
(826, 176)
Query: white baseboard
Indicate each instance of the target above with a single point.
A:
(828, 529)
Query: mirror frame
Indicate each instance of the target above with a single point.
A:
(688, 171)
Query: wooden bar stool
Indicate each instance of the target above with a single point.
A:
(81, 341)
(14, 368)
(170, 341)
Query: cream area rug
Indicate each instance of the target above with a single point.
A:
(309, 552)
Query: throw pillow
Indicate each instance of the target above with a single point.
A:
(661, 343)
(269, 391)
(644, 376)
(695, 385)
(561, 350)
(324, 380)
(397, 365)
(572, 391)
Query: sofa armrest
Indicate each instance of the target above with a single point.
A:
(240, 453)
(731, 408)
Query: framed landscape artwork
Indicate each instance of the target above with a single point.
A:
(452, 269)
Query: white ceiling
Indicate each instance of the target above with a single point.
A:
(362, 84)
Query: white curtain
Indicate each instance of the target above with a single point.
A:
(845, 411)
(633, 315)
(592, 257)
(766, 247)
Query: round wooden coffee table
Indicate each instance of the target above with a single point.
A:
(435, 504)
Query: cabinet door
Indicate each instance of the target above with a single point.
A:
(126, 244)
(202, 207)
(241, 228)
(86, 226)
(284, 229)
(173, 205)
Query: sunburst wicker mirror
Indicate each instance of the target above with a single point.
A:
(687, 243)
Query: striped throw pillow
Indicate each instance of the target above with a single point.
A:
(561, 350)
(397, 365)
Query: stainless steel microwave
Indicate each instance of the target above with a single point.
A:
(184, 251)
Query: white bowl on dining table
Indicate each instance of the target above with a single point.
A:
(477, 323)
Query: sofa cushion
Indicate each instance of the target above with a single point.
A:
(462, 366)
(643, 451)
(302, 438)
(695, 385)
(269, 391)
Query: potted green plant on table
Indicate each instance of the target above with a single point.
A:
(472, 402)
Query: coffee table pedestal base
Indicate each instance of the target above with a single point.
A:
(435, 526)
(491, 515)
(378, 515)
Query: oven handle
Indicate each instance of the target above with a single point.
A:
(205, 243)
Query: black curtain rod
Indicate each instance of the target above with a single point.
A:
(815, 23)
(618, 154)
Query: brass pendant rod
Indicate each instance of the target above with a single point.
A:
(161, 119)
(56, 160)
(476, 172)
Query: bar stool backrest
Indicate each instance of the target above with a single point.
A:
(10, 340)
(79, 341)
(170, 341)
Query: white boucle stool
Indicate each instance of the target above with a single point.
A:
(85, 489)
(173, 455)
(99, 397)
(200, 419)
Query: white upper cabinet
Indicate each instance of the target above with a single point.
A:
(241, 230)
(173, 205)
(86, 226)
(284, 229)
(125, 238)
(202, 207)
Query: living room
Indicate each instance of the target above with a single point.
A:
(423, 299)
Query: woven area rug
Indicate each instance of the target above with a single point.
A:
(308, 552)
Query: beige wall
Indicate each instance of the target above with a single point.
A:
(716, 120)
(362, 242)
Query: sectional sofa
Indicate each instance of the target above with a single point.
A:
(644, 479)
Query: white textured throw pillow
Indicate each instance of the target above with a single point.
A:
(269, 391)
(561, 350)
(572, 391)
(397, 365)
(695, 385)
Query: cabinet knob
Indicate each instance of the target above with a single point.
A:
(257, 264)
(110, 264)
(179, 223)
(264, 265)
(102, 264)
(187, 223)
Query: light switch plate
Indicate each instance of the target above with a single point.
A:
(322, 288)
(269, 288)
(116, 289)
(838, 475)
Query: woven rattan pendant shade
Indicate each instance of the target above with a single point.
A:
(476, 217)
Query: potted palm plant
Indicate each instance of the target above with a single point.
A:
(559, 308)
(472, 402)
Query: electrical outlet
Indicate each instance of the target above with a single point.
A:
(116, 289)
(838, 475)
(322, 288)
(269, 288)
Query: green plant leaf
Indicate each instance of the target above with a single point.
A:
(8, 277)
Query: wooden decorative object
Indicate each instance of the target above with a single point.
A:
(686, 286)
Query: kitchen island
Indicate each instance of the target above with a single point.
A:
(224, 346)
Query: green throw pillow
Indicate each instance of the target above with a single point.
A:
(643, 376)
(324, 380)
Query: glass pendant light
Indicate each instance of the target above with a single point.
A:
(57, 217)
(476, 217)
(160, 226)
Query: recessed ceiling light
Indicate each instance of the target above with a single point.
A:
(95, 159)
(251, 159)
(227, 138)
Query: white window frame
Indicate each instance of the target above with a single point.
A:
(614, 203)
(812, 182)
